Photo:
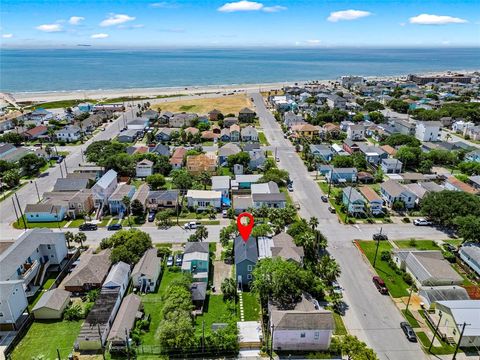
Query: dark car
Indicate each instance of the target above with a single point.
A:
(380, 285)
(151, 216)
(178, 259)
(60, 159)
(380, 236)
(324, 198)
(114, 227)
(88, 227)
(409, 333)
(332, 210)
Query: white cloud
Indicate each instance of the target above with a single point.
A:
(116, 19)
(100, 36)
(50, 28)
(7, 36)
(347, 15)
(429, 19)
(242, 5)
(164, 5)
(275, 8)
(313, 42)
(75, 20)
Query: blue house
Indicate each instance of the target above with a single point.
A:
(246, 256)
(44, 212)
(196, 260)
(245, 181)
(85, 107)
(341, 175)
(324, 152)
(115, 202)
(473, 156)
(353, 201)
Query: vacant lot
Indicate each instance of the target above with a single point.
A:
(226, 104)
(417, 244)
(215, 311)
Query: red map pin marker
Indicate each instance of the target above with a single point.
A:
(245, 230)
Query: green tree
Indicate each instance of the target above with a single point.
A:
(163, 218)
(80, 238)
(201, 233)
(276, 175)
(342, 161)
(137, 208)
(155, 181)
(241, 158)
(127, 245)
(11, 178)
(377, 117)
(31, 164)
(373, 106)
(398, 139)
(353, 348)
(425, 166)
(313, 222)
(122, 163)
(398, 106)
(205, 178)
(468, 228)
(409, 156)
(12, 138)
(162, 165)
(69, 237)
(329, 268)
(182, 180)
(229, 288)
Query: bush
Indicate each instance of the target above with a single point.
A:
(73, 312)
(412, 243)
(406, 220)
(386, 255)
(87, 308)
(450, 257)
(407, 278)
(163, 252)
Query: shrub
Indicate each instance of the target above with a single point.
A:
(406, 220)
(412, 243)
(73, 312)
(450, 257)
(386, 255)
(407, 278)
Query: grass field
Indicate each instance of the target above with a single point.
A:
(251, 306)
(226, 104)
(417, 244)
(340, 328)
(52, 224)
(395, 284)
(44, 338)
(216, 311)
(411, 320)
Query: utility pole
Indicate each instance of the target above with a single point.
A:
(348, 205)
(61, 171)
(101, 341)
(376, 250)
(128, 344)
(15, 208)
(435, 332)
(65, 164)
(409, 298)
(203, 336)
(459, 341)
(271, 341)
(36, 188)
(21, 213)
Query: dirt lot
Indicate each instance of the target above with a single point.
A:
(226, 104)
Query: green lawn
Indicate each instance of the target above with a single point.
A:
(340, 328)
(53, 224)
(441, 350)
(262, 138)
(411, 320)
(49, 280)
(76, 223)
(44, 338)
(216, 311)
(395, 284)
(251, 306)
(417, 244)
(224, 171)
(454, 242)
(152, 305)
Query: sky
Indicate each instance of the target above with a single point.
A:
(212, 23)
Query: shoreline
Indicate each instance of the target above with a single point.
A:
(99, 94)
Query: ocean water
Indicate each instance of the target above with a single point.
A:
(90, 69)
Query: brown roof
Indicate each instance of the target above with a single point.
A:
(388, 149)
(209, 135)
(178, 154)
(305, 127)
(93, 269)
(369, 194)
(192, 130)
(234, 127)
(37, 130)
(461, 185)
(331, 127)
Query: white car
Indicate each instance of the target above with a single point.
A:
(224, 213)
(422, 222)
(190, 225)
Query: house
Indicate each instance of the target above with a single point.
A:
(229, 121)
(129, 135)
(308, 131)
(204, 199)
(216, 129)
(151, 115)
(351, 146)
(389, 150)
(470, 254)
(473, 156)
(428, 130)
(305, 327)
(249, 133)
(182, 120)
(146, 272)
(199, 294)
(353, 201)
(246, 115)
(452, 183)
(332, 130)
(214, 114)
(160, 149)
(35, 132)
(80, 203)
(89, 273)
(144, 168)
(356, 132)
(70, 184)
(115, 201)
(427, 267)
(208, 135)
(246, 256)
(403, 127)
(124, 322)
(431, 294)
(196, 260)
(104, 187)
(225, 151)
(375, 202)
(177, 158)
(222, 184)
(42, 212)
(290, 119)
(284, 247)
(23, 265)
(69, 133)
(162, 199)
(456, 313)
(118, 278)
(338, 150)
(336, 102)
(265, 188)
(473, 133)
(257, 158)
(165, 134)
(324, 152)
(234, 133)
(191, 131)
(393, 191)
(271, 200)
(225, 135)
(197, 164)
(245, 181)
(165, 117)
(373, 154)
(341, 175)
(391, 166)
(139, 124)
(51, 305)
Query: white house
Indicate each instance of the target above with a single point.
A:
(307, 327)
(144, 168)
(428, 130)
(391, 166)
(203, 199)
(13, 303)
(104, 187)
(356, 132)
(146, 272)
(221, 183)
(249, 133)
(470, 254)
(69, 133)
(290, 119)
(52, 304)
(118, 277)
(460, 126)
(392, 191)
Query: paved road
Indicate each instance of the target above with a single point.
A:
(371, 316)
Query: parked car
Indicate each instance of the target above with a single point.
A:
(151, 216)
(88, 227)
(380, 285)
(191, 225)
(60, 159)
(170, 261)
(277, 159)
(450, 247)
(290, 187)
(380, 236)
(332, 209)
(336, 287)
(422, 222)
(224, 213)
(409, 333)
(178, 259)
(114, 227)
(324, 198)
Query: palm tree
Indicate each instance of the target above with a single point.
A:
(204, 178)
(313, 222)
(126, 203)
(69, 237)
(80, 238)
(201, 233)
(328, 268)
(229, 288)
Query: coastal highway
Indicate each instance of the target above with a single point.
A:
(371, 316)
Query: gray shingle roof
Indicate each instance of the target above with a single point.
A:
(52, 299)
(70, 184)
(92, 269)
(125, 318)
(245, 250)
(148, 263)
(191, 247)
